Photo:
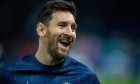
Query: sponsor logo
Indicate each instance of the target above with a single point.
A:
(66, 83)
(27, 82)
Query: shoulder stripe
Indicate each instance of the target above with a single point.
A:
(15, 77)
(79, 80)
(31, 78)
(92, 77)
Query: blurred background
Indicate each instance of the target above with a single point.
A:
(108, 36)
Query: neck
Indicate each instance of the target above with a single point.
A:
(45, 58)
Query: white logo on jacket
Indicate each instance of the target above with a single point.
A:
(27, 82)
(66, 83)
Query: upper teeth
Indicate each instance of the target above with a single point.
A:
(65, 41)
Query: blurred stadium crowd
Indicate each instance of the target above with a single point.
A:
(108, 36)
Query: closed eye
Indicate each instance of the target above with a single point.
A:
(62, 24)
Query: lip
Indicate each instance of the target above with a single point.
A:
(63, 47)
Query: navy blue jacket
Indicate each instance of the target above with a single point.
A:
(27, 70)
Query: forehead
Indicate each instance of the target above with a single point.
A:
(63, 16)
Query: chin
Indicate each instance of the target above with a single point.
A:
(59, 55)
(63, 54)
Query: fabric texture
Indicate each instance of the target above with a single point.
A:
(27, 70)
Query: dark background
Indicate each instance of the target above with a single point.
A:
(114, 25)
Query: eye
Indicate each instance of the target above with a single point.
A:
(73, 28)
(62, 24)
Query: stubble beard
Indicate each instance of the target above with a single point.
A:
(53, 48)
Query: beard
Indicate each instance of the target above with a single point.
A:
(53, 47)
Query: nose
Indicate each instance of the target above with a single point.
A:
(68, 31)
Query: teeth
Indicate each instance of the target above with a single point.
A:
(64, 41)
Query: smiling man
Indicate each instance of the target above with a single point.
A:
(56, 38)
(50, 64)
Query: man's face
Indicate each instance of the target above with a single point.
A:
(60, 34)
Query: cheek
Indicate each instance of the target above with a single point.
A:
(57, 32)
(74, 36)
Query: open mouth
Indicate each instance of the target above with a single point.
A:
(65, 43)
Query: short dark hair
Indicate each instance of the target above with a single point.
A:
(56, 5)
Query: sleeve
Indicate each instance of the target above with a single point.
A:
(4, 78)
(93, 79)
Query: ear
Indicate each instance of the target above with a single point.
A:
(41, 29)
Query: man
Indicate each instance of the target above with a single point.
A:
(56, 29)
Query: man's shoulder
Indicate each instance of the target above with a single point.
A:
(75, 63)
(25, 60)
(82, 71)
(79, 67)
